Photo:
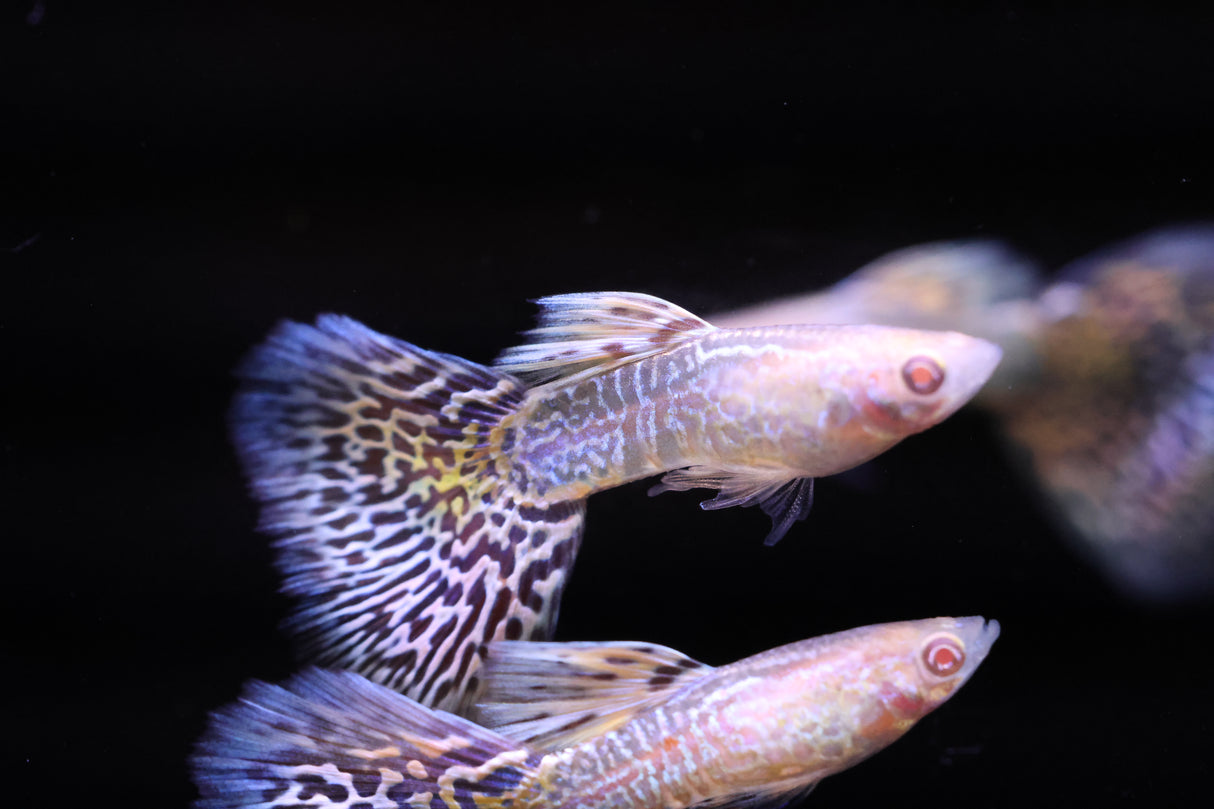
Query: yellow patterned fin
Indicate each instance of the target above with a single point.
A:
(591, 332)
(552, 695)
(381, 470)
(338, 740)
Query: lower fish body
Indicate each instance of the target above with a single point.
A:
(618, 726)
(427, 505)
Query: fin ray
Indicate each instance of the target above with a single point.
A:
(551, 695)
(776, 796)
(591, 332)
(783, 497)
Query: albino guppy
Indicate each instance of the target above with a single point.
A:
(625, 726)
(1106, 387)
(428, 505)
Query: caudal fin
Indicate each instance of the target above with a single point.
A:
(335, 739)
(379, 467)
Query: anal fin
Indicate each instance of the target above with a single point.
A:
(783, 498)
(776, 797)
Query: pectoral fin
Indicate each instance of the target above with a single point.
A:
(596, 331)
(552, 695)
(786, 500)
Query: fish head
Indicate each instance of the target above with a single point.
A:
(841, 698)
(910, 380)
(918, 665)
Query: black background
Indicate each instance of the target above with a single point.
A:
(174, 182)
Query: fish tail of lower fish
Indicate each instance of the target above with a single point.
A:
(382, 471)
(336, 739)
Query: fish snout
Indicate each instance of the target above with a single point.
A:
(970, 364)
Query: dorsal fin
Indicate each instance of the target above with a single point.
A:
(782, 497)
(552, 695)
(597, 331)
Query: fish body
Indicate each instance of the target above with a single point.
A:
(755, 404)
(978, 287)
(1105, 391)
(621, 726)
(427, 505)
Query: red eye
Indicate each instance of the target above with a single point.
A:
(923, 375)
(943, 655)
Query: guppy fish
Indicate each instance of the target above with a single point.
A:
(1121, 437)
(1106, 389)
(428, 505)
(624, 726)
(979, 287)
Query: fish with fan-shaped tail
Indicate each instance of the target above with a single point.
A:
(428, 505)
(618, 726)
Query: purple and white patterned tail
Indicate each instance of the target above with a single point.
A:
(380, 471)
(329, 738)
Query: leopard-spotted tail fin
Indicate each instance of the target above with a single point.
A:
(336, 738)
(381, 471)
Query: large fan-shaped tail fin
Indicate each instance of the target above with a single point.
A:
(381, 469)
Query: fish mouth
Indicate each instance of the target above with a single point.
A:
(970, 361)
(980, 634)
(986, 358)
(978, 361)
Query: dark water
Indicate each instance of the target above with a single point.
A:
(174, 183)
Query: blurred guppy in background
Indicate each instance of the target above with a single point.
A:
(1105, 392)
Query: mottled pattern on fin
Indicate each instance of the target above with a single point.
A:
(596, 331)
(552, 695)
(777, 797)
(379, 468)
(335, 739)
(1120, 422)
(785, 499)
